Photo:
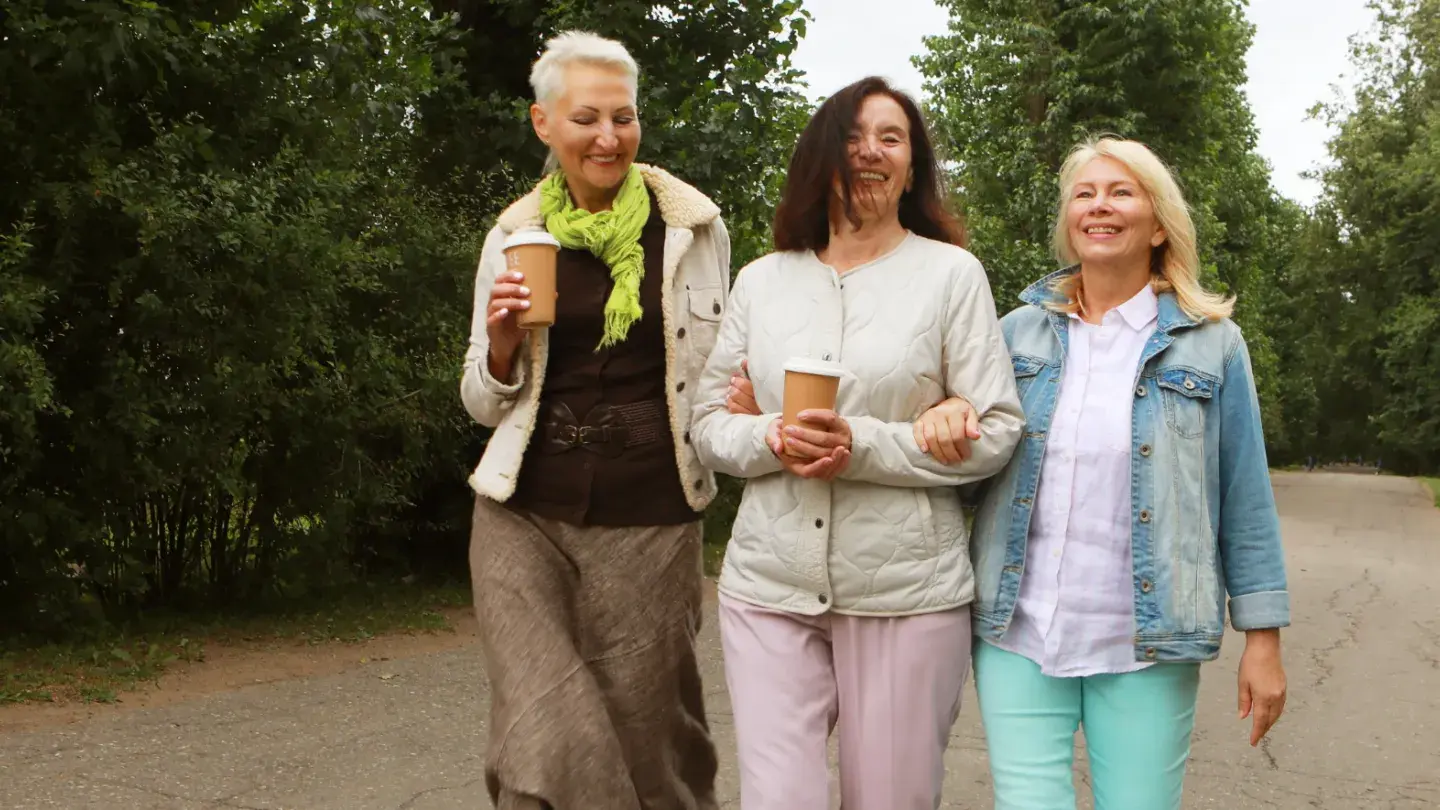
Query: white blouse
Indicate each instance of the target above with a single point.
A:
(1076, 610)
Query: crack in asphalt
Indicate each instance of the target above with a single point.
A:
(1269, 755)
(1350, 635)
(410, 802)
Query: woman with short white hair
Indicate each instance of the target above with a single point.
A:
(585, 552)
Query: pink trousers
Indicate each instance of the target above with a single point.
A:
(891, 684)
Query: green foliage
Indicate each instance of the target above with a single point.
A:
(236, 312)
(97, 666)
(719, 102)
(1434, 485)
(1015, 86)
(1370, 288)
(237, 245)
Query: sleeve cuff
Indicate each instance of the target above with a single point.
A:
(769, 463)
(1266, 610)
(497, 388)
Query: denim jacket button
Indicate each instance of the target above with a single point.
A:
(1139, 390)
(1144, 515)
(1145, 450)
(1149, 652)
(1146, 586)
(1189, 384)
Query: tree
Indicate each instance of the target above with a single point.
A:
(1014, 86)
(238, 314)
(719, 97)
(1378, 257)
(237, 246)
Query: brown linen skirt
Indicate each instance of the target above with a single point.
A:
(588, 634)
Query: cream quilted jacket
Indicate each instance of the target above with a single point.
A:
(697, 284)
(888, 537)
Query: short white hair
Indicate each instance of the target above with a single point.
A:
(547, 78)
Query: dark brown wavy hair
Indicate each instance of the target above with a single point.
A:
(802, 220)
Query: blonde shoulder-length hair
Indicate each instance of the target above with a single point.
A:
(1174, 264)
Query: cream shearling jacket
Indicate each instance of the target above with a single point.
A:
(887, 537)
(694, 296)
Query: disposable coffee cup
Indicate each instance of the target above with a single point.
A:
(810, 385)
(532, 254)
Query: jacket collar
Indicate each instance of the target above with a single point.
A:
(681, 204)
(1169, 318)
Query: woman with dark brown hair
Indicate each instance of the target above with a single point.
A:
(847, 580)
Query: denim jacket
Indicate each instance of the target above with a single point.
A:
(1203, 518)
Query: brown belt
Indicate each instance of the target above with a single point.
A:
(607, 429)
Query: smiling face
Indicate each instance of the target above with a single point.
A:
(1110, 219)
(880, 158)
(593, 129)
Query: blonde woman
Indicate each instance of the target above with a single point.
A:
(1138, 500)
(588, 598)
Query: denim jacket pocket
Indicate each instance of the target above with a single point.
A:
(1026, 368)
(1186, 394)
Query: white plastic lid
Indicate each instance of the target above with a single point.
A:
(519, 238)
(804, 365)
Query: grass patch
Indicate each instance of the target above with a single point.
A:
(88, 672)
(1434, 484)
(96, 669)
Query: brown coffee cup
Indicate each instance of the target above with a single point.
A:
(810, 385)
(532, 254)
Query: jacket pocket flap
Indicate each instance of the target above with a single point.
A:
(1186, 383)
(1026, 366)
(706, 302)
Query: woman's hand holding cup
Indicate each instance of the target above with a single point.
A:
(819, 447)
(508, 297)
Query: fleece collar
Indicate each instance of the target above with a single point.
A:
(681, 204)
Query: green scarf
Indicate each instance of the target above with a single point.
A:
(612, 236)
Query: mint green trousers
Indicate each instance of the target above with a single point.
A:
(1137, 732)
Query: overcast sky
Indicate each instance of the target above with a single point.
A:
(1300, 52)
